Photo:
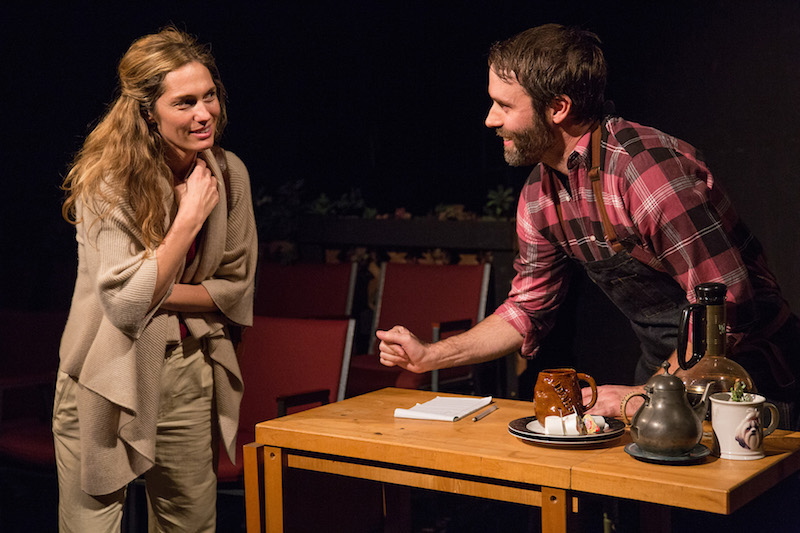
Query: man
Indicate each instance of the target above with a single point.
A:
(668, 227)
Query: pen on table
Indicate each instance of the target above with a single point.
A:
(491, 409)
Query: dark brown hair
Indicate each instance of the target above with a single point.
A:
(554, 60)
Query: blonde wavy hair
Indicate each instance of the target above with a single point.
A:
(123, 158)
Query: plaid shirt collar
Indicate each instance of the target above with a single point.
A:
(582, 153)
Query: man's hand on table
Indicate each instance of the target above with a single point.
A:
(609, 400)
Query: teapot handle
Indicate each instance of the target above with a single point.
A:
(683, 337)
(625, 403)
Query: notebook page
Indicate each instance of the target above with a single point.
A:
(444, 408)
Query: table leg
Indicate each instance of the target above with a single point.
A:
(254, 487)
(554, 510)
(274, 470)
(397, 508)
(655, 518)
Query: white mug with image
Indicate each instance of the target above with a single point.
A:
(739, 428)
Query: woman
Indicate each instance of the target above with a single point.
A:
(148, 376)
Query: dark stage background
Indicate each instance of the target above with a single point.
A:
(390, 98)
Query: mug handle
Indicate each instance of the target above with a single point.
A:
(590, 380)
(774, 418)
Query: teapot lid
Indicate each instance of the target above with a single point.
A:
(666, 381)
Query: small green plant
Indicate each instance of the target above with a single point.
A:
(453, 212)
(321, 206)
(350, 204)
(500, 203)
(737, 392)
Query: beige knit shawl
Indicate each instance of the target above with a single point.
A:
(114, 345)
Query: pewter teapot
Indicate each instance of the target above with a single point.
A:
(666, 424)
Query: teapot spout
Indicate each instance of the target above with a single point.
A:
(702, 406)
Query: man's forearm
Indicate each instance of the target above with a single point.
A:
(490, 339)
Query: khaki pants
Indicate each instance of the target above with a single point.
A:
(182, 486)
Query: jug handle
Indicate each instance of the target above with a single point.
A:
(625, 403)
(683, 338)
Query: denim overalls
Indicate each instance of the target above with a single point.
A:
(650, 299)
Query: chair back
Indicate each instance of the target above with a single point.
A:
(419, 296)
(29, 360)
(305, 290)
(30, 341)
(298, 362)
(284, 357)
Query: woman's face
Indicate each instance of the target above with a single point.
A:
(186, 114)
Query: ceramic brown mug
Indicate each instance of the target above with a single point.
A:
(558, 392)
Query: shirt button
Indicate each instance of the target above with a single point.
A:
(592, 238)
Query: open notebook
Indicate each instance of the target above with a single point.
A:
(443, 408)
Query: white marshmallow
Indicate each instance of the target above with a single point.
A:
(573, 425)
(553, 425)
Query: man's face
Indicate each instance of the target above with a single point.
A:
(526, 135)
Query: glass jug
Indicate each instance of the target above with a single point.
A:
(708, 362)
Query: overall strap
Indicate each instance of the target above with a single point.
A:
(596, 175)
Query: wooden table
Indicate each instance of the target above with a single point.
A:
(359, 437)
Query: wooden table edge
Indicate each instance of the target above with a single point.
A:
(586, 479)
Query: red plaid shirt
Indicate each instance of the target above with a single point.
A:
(659, 195)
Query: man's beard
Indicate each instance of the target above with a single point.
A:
(529, 145)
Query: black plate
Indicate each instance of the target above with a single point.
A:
(695, 455)
(528, 428)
